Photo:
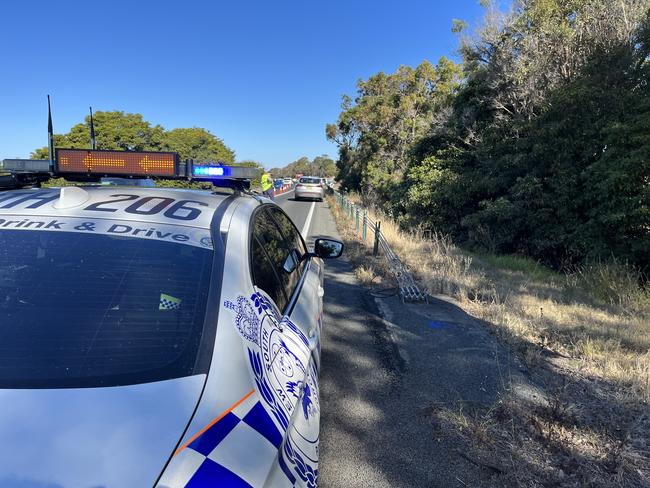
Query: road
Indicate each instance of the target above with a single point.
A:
(301, 211)
(385, 367)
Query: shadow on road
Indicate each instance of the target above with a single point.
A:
(378, 383)
(387, 368)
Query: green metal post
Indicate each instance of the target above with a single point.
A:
(365, 224)
(357, 219)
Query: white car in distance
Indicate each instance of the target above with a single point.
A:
(310, 188)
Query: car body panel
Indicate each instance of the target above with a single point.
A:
(310, 194)
(78, 437)
(260, 398)
(308, 310)
(315, 192)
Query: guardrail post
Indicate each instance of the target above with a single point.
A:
(375, 249)
(357, 219)
(365, 224)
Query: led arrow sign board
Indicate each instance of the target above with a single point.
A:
(128, 163)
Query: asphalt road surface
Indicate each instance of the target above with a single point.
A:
(385, 366)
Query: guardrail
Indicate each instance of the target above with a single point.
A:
(409, 290)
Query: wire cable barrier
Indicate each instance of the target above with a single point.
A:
(408, 288)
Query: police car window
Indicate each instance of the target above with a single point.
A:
(290, 233)
(265, 276)
(279, 253)
(81, 310)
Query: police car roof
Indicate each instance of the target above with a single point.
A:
(170, 206)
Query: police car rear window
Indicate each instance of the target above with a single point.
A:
(81, 310)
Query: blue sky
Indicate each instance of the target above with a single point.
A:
(264, 76)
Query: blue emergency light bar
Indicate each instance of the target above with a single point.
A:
(208, 171)
(216, 171)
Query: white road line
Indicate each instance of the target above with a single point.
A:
(285, 193)
(305, 228)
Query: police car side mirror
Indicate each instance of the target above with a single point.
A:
(328, 248)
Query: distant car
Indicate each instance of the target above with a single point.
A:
(157, 337)
(277, 184)
(287, 181)
(310, 187)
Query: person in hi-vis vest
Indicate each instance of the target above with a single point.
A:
(267, 185)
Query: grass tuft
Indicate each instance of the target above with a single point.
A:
(526, 266)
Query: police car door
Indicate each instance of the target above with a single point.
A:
(292, 280)
(282, 270)
(305, 305)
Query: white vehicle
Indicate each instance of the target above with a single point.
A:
(154, 336)
(310, 187)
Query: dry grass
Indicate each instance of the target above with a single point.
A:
(584, 336)
(598, 316)
(366, 274)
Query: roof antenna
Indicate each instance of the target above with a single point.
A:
(92, 131)
(50, 135)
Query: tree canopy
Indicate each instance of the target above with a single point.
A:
(536, 144)
(320, 166)
(125, 131)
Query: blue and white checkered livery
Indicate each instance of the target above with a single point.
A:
(238, 450)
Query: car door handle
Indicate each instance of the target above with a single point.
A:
(321, 291)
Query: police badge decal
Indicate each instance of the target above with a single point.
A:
(286, 379)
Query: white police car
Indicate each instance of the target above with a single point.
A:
(155, 337)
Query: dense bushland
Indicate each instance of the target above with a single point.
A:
(538, 143)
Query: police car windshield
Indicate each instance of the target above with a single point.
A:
(81, 310)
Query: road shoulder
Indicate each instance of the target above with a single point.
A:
(387, 368)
